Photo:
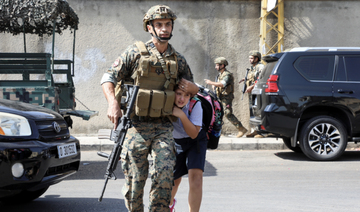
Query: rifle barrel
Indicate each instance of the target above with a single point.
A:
(102, 193)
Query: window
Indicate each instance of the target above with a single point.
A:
(341, 74)
(348, 68)
(352, 65)
(316, 67)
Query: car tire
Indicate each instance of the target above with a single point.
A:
(323, 138)
(23, 197)
(287, 142)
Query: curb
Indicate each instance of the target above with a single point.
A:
(92, 143)
(233, 143)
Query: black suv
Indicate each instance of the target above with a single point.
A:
(36, 151)
(310, 97)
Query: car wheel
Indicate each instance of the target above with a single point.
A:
(23, 197)
(323, 138)
(287, 142)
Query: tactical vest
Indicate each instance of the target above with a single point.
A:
(251, 78)
(252, 75)
(228, 89)
(156, 77)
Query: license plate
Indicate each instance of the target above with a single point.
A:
(66, 150)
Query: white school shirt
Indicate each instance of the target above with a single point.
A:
(196, 117)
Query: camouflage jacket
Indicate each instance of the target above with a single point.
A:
(227, 79)
(254, 73)
(127, 63)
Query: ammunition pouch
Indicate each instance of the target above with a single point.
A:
(142, 102)
(154, 103)
(168, 103)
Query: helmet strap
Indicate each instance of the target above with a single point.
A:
(162, 40)
(222, 68)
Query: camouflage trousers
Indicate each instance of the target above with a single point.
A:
(227, 105)
(154, 138)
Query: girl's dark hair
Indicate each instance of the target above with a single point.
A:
(180, 77)
(176, 87)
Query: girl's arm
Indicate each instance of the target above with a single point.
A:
(189, 127)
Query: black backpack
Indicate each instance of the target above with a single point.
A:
(213, 113)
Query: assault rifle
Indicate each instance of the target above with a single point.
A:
(118, 135)
(244, 86)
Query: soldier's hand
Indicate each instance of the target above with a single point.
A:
(188, 86)
(207, 81)
(114, 113)
(242, 80)
(249, 89)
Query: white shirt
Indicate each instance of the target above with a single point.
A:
(196, 117)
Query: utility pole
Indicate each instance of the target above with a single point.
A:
(268, 42)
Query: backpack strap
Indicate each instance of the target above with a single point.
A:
(193, 101)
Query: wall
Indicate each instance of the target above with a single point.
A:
(204, 30)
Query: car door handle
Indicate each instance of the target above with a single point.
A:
(342, 91)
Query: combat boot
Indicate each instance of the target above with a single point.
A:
(258, 136)
(242, 131)
(252, 134)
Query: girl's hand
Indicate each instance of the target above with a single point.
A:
(177, 111)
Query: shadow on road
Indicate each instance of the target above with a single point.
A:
(56, 204)
(210, 170)
(292, 156)
(95, 170)
(347, 156)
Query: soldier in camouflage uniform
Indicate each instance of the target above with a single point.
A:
(224, 88)
(253, 74)
(150, 135)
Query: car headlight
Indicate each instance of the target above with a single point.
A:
(14, 125)
(17, 170)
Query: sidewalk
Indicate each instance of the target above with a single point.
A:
(93, 143)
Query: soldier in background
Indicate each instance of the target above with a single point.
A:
(157, 68)
(224, 88)
(253, 74)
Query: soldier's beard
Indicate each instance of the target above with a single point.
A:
(219, 69)
(254, 62)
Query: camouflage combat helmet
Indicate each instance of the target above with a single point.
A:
(158, 12)
(221, 60)
(255, 54)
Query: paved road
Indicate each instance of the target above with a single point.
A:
(250, 181)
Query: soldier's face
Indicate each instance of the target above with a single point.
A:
(181, 98)
(219, 67)
(253, 60)
(162, 27)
